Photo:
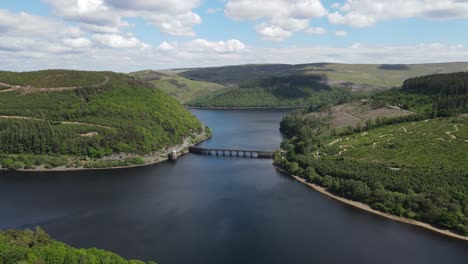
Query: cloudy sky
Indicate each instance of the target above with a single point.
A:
(129, 35)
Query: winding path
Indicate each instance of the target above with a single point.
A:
(31, 89)
(64, 122)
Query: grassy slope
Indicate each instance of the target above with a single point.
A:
(425, 143)
(370, 74)
(37, 247)
(382, 76)
(358, 77)
(181, 88)
(142, 120)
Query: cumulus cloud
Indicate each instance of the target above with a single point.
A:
(118, 41)
(108, 16)
(364, 13)
(284, 17)
(270, 32)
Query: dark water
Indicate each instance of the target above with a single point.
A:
(214, 210)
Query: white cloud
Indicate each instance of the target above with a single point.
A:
(118, 41)
(202, 45)
(341, 33)
(108, 16)
(165, 47)
(316, 30)
(364, 13)
(284, 17)
(274, 33)
(77, 42)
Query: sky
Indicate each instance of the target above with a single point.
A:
(131, 35)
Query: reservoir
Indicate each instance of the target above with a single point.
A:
(205, 209)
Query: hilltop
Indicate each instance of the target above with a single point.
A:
(344, 75)
(59, 118)
(183, 89)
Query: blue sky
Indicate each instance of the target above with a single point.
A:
(127, 35)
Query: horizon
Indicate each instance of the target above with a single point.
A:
(127, 36)
(248, 64)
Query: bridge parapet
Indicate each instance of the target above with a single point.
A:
(261, 154)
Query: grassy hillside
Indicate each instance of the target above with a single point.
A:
(396, 161)
(123, 116)
(37, 247)
(178, 87)
(373, 75)
(414, 169)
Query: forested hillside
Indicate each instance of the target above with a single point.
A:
(52, 78)
(122, 116)
(434, 95)
(289, 90)
(37, 247)
(412, 165)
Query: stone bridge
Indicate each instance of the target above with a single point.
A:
(260, 154)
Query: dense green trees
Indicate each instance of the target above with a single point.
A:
(273, 92)
(432, 95)
(53, 78)
(125, 115)
(37, 247)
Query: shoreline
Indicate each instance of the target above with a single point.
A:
(244, 107)
(369, 209)
(149, 160)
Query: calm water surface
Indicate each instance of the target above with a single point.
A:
(213, 209)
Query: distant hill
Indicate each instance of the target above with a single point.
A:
(183, 89)
(91, 116)
(276, 84)
(274, 91)
(375, 75)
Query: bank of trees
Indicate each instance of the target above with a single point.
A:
(37, 247)
(53, 78)
(125, 115)
(433, 95)
(264, 97)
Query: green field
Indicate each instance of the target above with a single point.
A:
(183, 89)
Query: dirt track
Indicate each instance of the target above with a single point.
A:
(31, 89)
(66, 123)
